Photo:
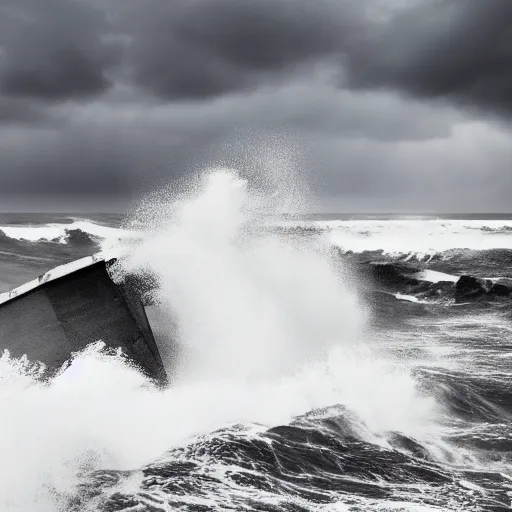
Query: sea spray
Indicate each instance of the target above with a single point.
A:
(249, 304)
(265, 328)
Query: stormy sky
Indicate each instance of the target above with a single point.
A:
(381, 105)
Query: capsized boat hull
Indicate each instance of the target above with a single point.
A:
(72, 306)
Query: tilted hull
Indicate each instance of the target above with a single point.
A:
(72, 306)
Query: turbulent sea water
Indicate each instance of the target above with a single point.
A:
(303, 376)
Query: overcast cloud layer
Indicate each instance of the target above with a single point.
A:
(384, 104)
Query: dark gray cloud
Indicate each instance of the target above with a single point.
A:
(65, 159)
(52, 50)
(387, 100)
(107, 149)
(203, 48)
(22, 112)
(454, 50)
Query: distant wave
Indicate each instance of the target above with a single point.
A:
(416, 238)
(80, 231)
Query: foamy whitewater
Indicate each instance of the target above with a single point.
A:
(57, 232)
(411, 236)
(303, 377)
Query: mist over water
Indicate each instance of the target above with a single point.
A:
(262, 327)
(248, 304)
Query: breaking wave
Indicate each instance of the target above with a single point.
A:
(411, 237)
(63, 233)
(260, 329)
(418, 239)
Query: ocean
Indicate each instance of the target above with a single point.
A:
(317, 363)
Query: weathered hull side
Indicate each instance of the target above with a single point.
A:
(65, 315)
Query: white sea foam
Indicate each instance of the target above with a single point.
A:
(57, 231)
(414, 237)
(435, 277)
(101, 414)
(410, 298)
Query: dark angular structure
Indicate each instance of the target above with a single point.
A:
(72, 306)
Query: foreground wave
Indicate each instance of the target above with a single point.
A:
(212, 445)
(166, 449)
